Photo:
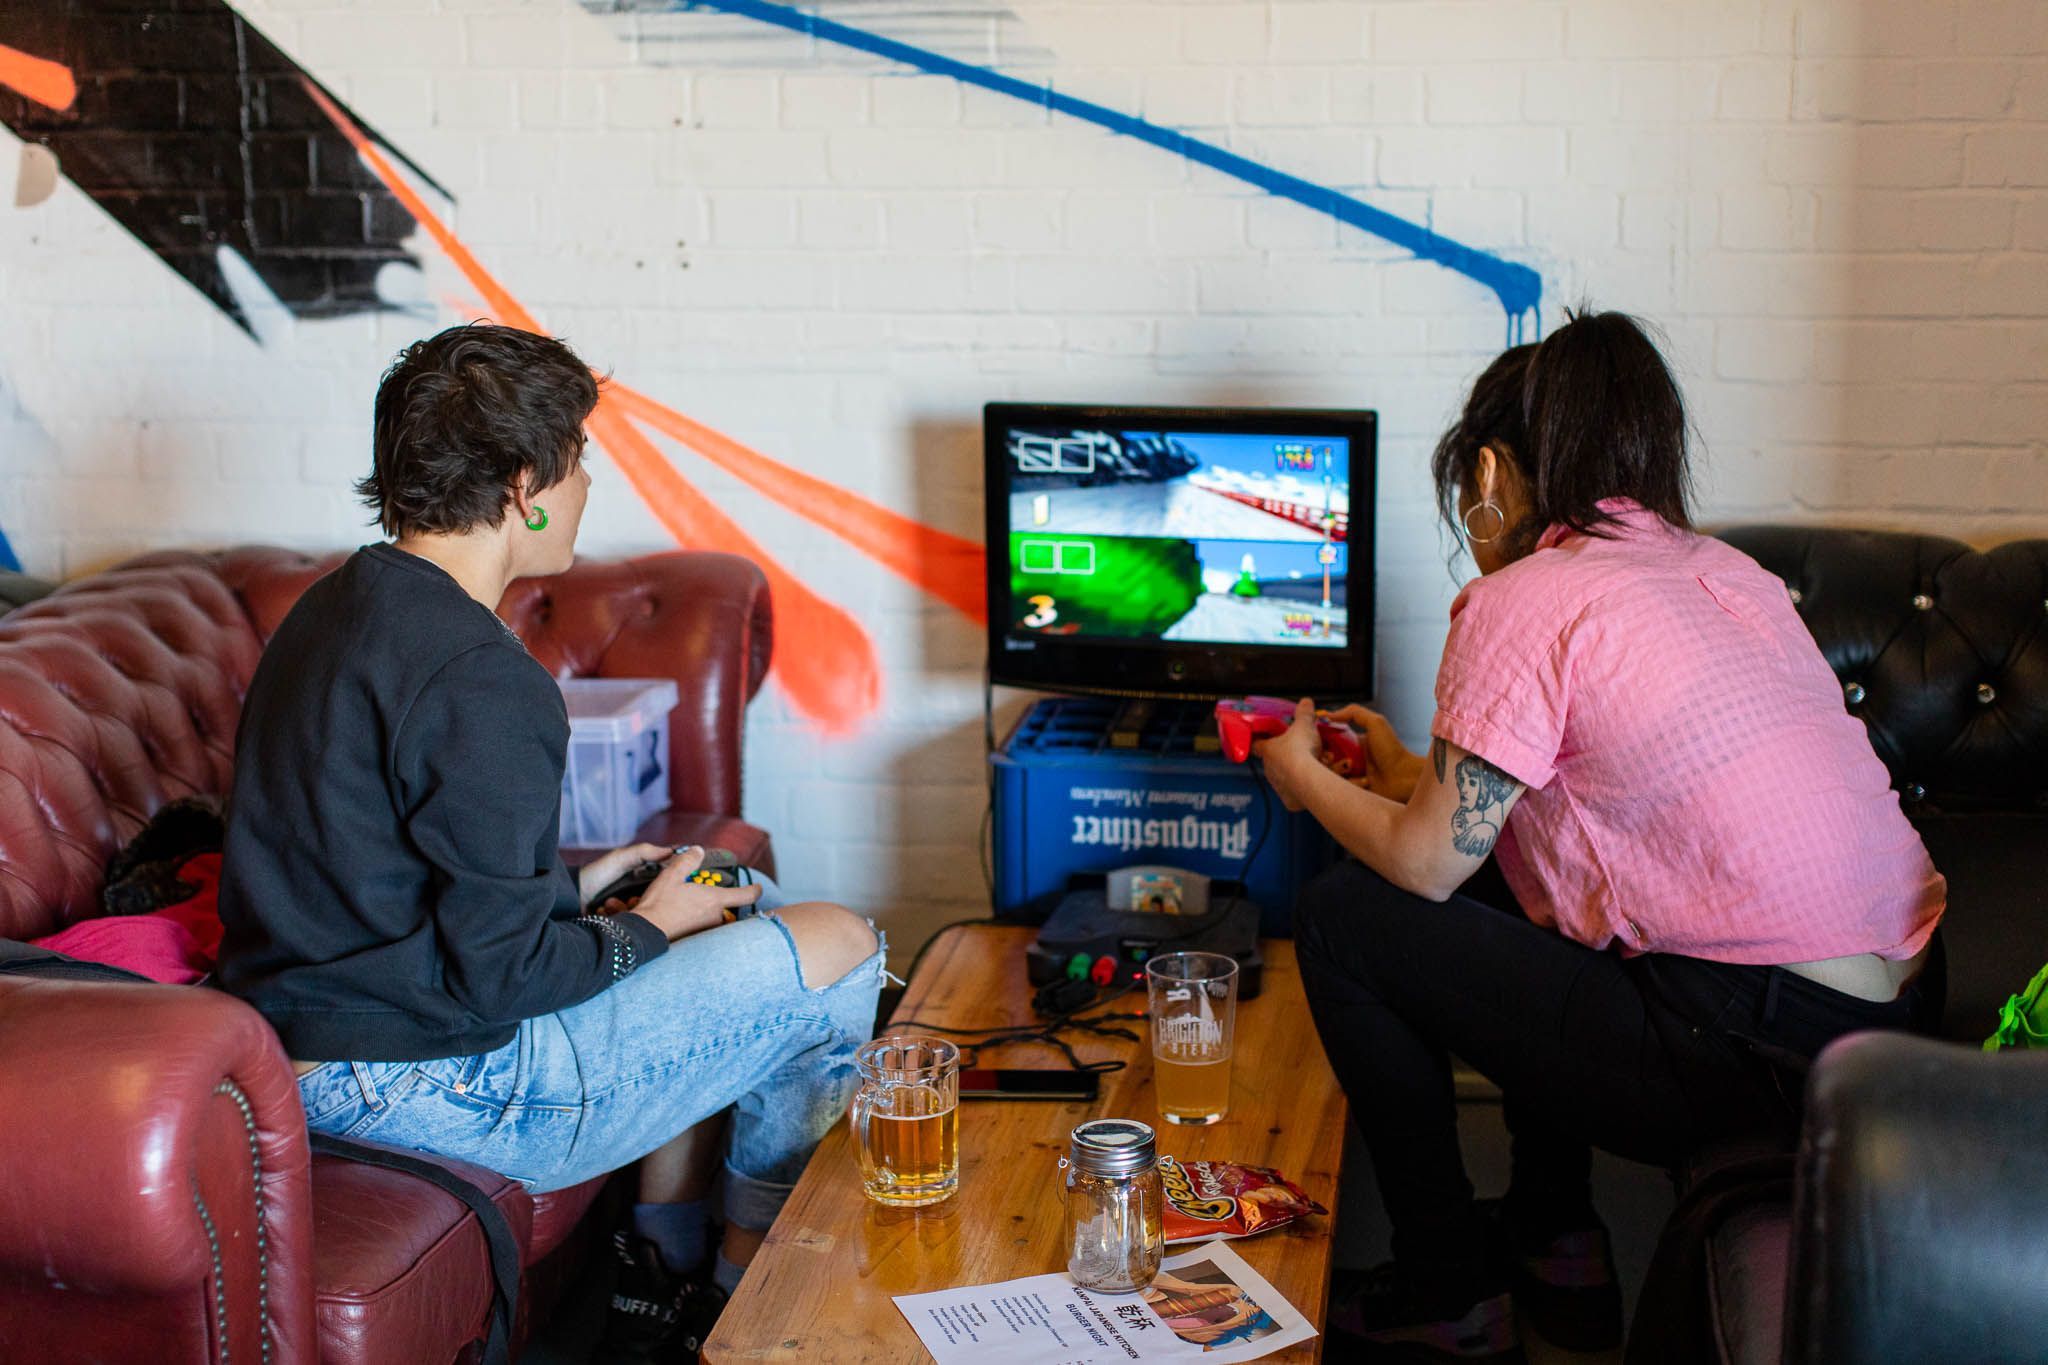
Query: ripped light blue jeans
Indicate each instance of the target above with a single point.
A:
(721, 1020)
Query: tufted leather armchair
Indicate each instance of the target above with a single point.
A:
(1943, 653)
(157, 1201)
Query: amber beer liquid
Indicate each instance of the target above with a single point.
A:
(1193, 998)
(911, 1161)
(1192, 1092)
(906, 1120)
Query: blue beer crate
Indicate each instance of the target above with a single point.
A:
(1075, 795)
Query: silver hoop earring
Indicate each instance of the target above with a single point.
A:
(1500, 522)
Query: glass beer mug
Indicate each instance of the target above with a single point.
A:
(906, 1128)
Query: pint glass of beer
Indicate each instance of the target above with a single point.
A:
(1194, 1014)
(906, 1120)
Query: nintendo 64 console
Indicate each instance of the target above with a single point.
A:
(1107, 933)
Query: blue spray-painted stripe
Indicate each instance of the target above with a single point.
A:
(1519, 288)
(8, 559)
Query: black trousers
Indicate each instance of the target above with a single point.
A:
(1648, 1057)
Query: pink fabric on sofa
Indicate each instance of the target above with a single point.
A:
(154, 946)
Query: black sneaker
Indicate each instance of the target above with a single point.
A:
(1564, 1282)
(657, 1316)
(1383, 1315)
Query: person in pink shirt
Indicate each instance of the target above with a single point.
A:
(1648, 867)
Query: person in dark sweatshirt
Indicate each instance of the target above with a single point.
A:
(395, 905)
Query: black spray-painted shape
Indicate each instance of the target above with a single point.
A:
(195, 132)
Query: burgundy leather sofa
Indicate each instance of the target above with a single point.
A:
(157, 1201)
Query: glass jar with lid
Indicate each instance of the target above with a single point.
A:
(1115, 1206)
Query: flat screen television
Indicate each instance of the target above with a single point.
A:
(1180, 552)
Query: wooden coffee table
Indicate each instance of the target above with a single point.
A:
(821, 1289)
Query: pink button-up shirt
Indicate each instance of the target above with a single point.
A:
(1695, 783)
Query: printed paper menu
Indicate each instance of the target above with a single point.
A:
(1206, 1305)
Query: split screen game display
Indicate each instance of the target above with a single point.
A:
(1179, 536)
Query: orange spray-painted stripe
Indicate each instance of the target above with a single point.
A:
(827, 663)
(947, 566)
(823, 659)
(46, 82)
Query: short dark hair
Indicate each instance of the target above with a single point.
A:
(1591, 412)
(464, 417)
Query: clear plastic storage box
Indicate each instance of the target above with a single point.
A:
(617, 774)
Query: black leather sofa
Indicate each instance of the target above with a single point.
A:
(1921, 1186)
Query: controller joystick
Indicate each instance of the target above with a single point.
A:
(1240, 723)
(720, 868)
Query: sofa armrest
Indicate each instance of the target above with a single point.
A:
(158, 1165)
(702, 619)
(1920, 1203)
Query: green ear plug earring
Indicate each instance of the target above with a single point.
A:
(539, 520)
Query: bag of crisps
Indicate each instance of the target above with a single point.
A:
(1206, 1199)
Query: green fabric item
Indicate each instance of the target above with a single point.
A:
(2023, 1022)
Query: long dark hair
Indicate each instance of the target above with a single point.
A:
(1590, 412)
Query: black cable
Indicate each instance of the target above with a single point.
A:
(936, 935)
(985, 842)
(1264, 791)
(988, 715)
(1097, 1025)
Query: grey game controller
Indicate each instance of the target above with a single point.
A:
(720, 868)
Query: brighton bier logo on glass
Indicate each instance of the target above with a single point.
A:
(1194, 1013)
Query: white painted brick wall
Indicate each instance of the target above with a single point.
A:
(1837, 210)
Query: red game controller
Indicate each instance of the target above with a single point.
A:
(1239, 723)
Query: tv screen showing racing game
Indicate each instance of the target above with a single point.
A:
(1175, 535)
(1211, 534)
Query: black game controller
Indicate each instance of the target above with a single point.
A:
(720, 869)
